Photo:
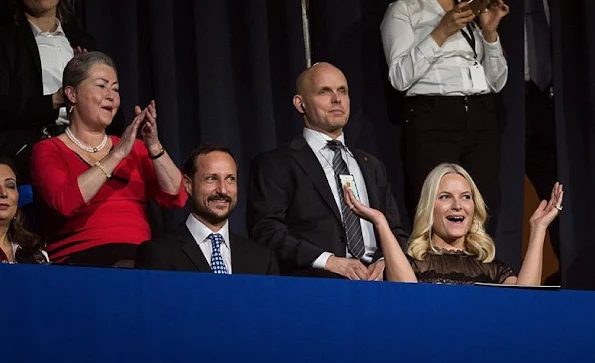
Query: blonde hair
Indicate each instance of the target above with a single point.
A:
(477, 241)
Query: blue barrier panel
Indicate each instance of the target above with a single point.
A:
(59, 314)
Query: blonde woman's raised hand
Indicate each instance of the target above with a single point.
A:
(548, 210)
(361, 210)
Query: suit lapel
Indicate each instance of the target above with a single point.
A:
(368, 172)
(305, 157)
(239, 262)
(191, 249)
(30, 44)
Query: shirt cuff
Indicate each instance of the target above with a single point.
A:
(430, 49)
(492, 49)
(320, 262)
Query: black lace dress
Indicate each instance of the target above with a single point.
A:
(457, 267)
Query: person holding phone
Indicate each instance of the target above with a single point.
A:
(449, 63)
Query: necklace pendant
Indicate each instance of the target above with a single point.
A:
(95, 150)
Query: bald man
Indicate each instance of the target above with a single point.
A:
(295, 203)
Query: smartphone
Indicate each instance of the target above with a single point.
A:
(477, 6)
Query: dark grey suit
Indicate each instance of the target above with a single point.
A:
(291, 207)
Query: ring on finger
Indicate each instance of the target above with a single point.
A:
(559, 207)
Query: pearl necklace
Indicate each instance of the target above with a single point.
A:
(82, 146)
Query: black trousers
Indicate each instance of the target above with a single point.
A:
(541, 164)
(456, 129)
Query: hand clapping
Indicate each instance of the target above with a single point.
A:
(145, 120)
(148, 127)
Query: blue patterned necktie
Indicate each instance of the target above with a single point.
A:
(217, 264)
(351, 222)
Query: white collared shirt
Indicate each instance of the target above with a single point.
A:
(318, 143)
(54, 52)
(200, 232)
(419, 66)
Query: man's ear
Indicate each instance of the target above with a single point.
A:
(187, 184)
(299, 105)
(70, 93)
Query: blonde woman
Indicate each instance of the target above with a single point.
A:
(449, 243)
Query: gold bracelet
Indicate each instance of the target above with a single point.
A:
(103, 169)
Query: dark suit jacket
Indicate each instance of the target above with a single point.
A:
(291, 206)
(179, 251)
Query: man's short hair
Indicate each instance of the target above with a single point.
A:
(203, 149)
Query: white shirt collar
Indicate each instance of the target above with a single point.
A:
(37, 31)
(318, 140)
(200, 232)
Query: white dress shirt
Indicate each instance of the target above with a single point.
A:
(419, 66)
(200, 232)
(55, 52)
(318, 143)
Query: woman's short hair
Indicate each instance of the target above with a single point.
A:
(477, 241)
(77, 69)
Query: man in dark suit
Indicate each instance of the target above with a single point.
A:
(295, 199)
(204, 243)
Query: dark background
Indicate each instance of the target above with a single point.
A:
(224, 71)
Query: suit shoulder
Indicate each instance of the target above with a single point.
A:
(368, 156)
(279, 152)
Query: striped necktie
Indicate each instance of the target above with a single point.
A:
(351, 222)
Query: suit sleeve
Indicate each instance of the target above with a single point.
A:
(149, 257)
(391, 211)
(268, 201)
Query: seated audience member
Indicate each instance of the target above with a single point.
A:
(295, 200)
(449, 243)
(204, 243)
(16, 243)
(36, 43)
(94, 188)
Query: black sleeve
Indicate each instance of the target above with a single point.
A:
(268, 200)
